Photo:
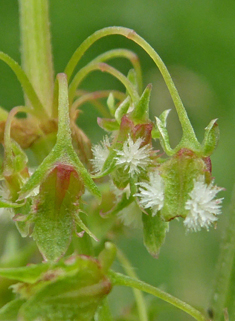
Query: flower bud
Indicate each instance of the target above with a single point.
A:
(56, 208)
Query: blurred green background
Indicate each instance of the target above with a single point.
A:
(196, 40)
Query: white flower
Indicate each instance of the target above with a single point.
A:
(100, 152)
(151, 193)
(202, 206)
(133, 157)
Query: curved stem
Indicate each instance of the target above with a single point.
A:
(25, 83)
(7, 132)
(137, 293)
(96, 95)
(82, 73)
(188, 132)
(120, 279)
(123, 53)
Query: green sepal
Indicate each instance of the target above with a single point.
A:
(154, 232)
(83, 227)
(141, 111)
(163, 133)
(111, 103)
(73, 290)
(108, 124)
(211, 138)
(56, 208)
(28, 274)
(122, 109)
(9, 311)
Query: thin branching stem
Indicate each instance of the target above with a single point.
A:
(120, 279)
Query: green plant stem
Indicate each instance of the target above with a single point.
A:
(36, 48)
(116, 53)
(93, 96)
(123, 53)
(82, 73)
(64, 131)
(188, 132)
(120, 279)
(25, 83)
(225, 267)
(7, 132)
(141, 306)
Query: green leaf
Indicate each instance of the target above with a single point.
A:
(10, 311)
(71, 296)
(154, 232)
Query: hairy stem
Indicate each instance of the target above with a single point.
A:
(36, 48)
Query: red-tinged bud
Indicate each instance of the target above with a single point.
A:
(56, 208)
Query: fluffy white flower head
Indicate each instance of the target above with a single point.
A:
(202, 206)
(151, 193)
(133, 157)
(100, 152)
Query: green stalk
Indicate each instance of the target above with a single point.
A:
(36, 48)
(82, 73)
(120, 279)
(188, 132)
(92, 97)
(25, 83)
(111, 54)
(7, 132)
(141, 306)
(225, 268)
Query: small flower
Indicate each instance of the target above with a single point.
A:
(133, 157)
(202, 206)
(151, 194)
(100, 152)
